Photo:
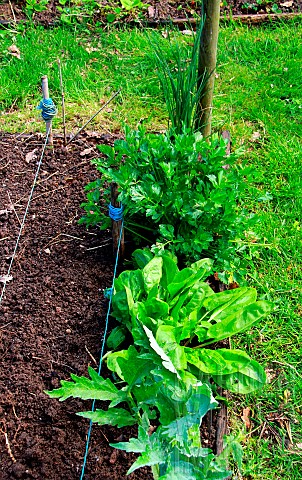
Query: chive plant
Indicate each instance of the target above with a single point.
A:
(182, 85)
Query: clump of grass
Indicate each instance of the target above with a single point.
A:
(180, 80)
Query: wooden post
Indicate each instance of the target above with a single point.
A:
(116, 225)
(45, 93)
(207, 61)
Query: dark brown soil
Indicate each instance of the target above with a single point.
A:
(157, 9)
(52, 316)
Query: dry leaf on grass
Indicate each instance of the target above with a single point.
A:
(256, 136)
(270, 374)
(287, 4)
(91, 49)
(151, 12)
(14, 51)
(246, 417)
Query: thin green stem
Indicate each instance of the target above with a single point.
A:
(135, 233)
(155, 471)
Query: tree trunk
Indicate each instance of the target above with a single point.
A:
(207, 61)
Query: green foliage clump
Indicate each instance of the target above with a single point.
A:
(182, 84)
(73, 11)
(163, 383)
(177, 190)
(185, 317)
(35, 6)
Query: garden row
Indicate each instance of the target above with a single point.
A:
(181, 195)
(72, 12)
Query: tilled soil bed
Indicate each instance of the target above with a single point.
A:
(52, 316)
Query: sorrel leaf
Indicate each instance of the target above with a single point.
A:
(239, 321)
(246, 380)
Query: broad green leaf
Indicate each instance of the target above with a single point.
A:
(201, 331)
(250, 378)
(113, 364)
(201, 401)
(166, 340)
(200, 291)
(239, 321)
(116, 337)
(120, 309)
(128, 365)
(142, 257)
(180, 281)
(217, 362)
(152, 273)
(156, 308)
(179, 430)
(237, 452)
(130, 300)
(170, 269)
(146, 393)
(143, 317)
(187, 329)
(180, 301)
(153, 293)
(205, 264)
(134, 368)
(185, 280)
(108, 151)
(82, 387)
(174, 389)
(167, 408)
(133, 279)
(113, 416)
(166, 362)
(225, 303)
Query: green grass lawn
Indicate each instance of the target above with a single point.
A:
(259, 99)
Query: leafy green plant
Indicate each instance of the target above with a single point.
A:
(184, 316)
(181, 83)
(276, 9)
(178, 190)
(34, 6)
(133, 4)
(76, 10)
(161, 383)
(167, 406)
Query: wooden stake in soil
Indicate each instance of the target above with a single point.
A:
(207, 60)
(63, 102)
(116, 225)
(45, 93)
